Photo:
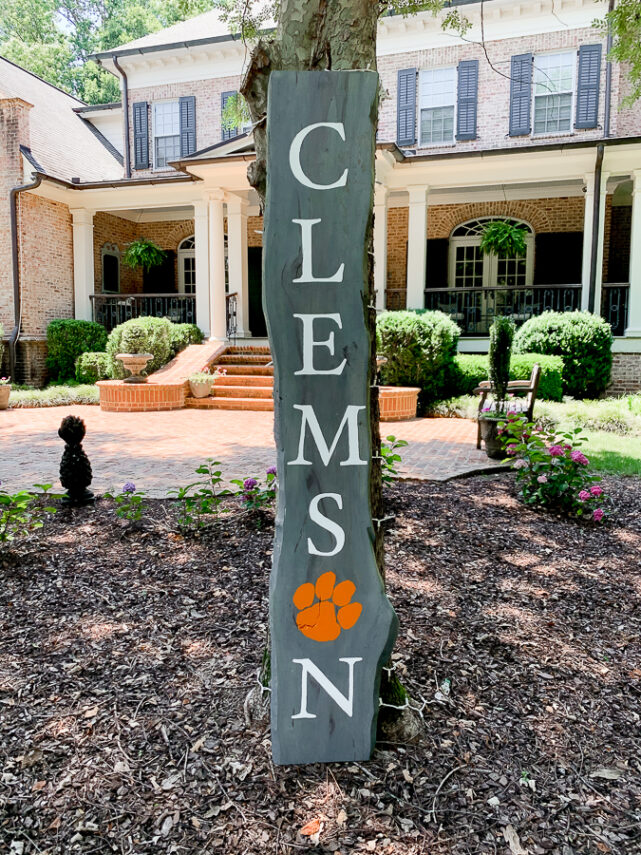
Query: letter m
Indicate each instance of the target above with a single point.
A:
(311, 670)
(326, 452)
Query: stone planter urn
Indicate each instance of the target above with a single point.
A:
(5, 391)
(136, 363)
(201, 388)
(490, 436)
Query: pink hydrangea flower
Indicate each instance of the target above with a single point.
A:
(596, 491)
(519, 464)
(584, 496)
(542, 479)
(579, 457)
(598, 515)
(556, 451)
(510, 450)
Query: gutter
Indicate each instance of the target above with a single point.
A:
(17, 299)
(125, 107)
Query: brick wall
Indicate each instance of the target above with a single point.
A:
(494, 87)
(208, 111)
(626, 374)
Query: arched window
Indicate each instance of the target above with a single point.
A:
(470, 268)
(110, 254)
(187, 265)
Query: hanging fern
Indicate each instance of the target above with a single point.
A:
(143, 253)
(503, 238)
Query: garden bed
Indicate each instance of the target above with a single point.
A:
(127, 657)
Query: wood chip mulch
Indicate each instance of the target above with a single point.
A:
(127, 657)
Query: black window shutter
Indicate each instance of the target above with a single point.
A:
(438, 253)
(187, 125)
(227, 133)
(558, 258)
(468, 86)
(520, 95)
(587, 97)
(141, 135)
(406, 107)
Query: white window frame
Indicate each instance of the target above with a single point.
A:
(422, 143)
(490, 262)
(155, 167)
(182, 255)
(570, 130)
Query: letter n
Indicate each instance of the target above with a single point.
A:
(311, 670)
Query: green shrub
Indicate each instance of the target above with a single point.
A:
(582, 340)
(420, 348)
(501, 337)
(470, 369)
(67, 340)
(156, 333)
(91, 367)
(182, 335)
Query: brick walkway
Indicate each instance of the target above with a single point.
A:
(159, 451)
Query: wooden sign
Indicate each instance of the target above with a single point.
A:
(332, 627)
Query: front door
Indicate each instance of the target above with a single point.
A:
(257, 323)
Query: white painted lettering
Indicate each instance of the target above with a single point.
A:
(311, 670)
(294, 156)
(326, 452)
(309, 343)
(316, 515)
(306, 242)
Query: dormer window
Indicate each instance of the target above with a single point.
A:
(166, 130)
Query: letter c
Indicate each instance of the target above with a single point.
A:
(294, 156)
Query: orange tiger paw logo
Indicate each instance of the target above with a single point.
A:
(334, 611)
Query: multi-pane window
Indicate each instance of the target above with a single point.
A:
(553, 92)
(166, 127)
(437, 104)
(471, 268)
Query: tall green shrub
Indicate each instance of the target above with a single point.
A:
(501, 337)
(183, 335)
(91, 367)
(420, 348)
(154, 335)
(582, 340)
(472, 368)
(66, 340)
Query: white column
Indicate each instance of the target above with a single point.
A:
(417, 247)
(237, 259)
(380, 244)
(634, 302)
(217, 302)
(83, 272)
(588, 235)
(201, 238)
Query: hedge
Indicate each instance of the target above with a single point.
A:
(157, 333)
(471, 369)
(582, 340)
(67, 340)
(420, 348)
(91, 367)
(183, 335)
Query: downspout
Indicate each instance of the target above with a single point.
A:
(15, 263)
(598, 170)
(125, 104)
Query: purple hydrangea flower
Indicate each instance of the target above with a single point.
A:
(510, 450)
(271, 471)
(556, 451)
(129, 487)
(250, 483)
(519, 464)
(542, 479)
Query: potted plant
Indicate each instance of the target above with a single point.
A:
(200, 383)
(136, 355)
(5, 391)
(501, 337)
(143, 253)
(503, 238)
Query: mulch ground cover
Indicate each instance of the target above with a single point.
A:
(127, 659)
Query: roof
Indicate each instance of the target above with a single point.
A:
(63, 143)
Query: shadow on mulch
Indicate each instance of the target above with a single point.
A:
(126, 660)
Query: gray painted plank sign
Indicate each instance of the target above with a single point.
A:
(332, 627)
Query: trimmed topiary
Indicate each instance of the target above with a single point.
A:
(91, 367)
(154, 335)
(501, 337)
(420, 348)
(67, 339)
(582, 340)
(182, 335)
(471, 368)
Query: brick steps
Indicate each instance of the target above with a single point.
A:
(242, 392)
(244, 359)
(258, 370)
(245, 380)
(230, 403)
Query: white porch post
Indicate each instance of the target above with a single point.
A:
(380, 245)
(634, 301)
(217, 302)
(417, 247)
(588, 236)
(201, 239)
(237, 257)
(83, 268)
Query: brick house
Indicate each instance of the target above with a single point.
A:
(533, 129)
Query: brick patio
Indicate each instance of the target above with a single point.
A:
(161, 450)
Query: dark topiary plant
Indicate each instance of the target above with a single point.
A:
(501, 338)
(582, 340)
(67, 339)
(75, 469)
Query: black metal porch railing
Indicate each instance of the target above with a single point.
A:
(614, 305)
(113, 309)
(231, 315)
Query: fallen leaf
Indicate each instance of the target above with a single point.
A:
(91, 712)
(512, 840)
(609, 774)
(408, 777)
(312, 827)
(39, 785)
(341, 818)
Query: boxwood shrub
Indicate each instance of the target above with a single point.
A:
(582, 340)
(91, 367)
(183, 335)
(471, 369)
(66, 340)
(157, 335)
(420, 348)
